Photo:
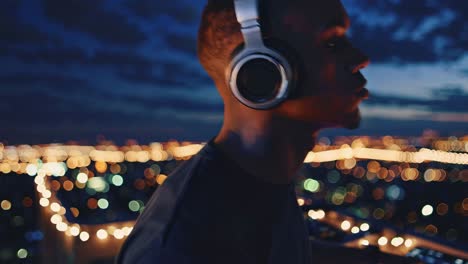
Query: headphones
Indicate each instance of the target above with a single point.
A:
(260, 77)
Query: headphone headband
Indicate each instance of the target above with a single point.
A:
(246, 10)
(247, 16)
(259, 77)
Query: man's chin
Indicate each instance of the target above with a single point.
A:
(353, 120)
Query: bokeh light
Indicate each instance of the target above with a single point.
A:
(134, 206)
(117, 180)
(427, 210)
(84, 236)
(103, 203)
(22, 253)
(102, 234)
(311, 185)
(345, 225)
(382, 241)
(6, 205)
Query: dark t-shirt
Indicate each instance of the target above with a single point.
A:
(211, 211)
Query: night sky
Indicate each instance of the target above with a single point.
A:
(127, 69)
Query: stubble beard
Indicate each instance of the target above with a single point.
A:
(353, 120)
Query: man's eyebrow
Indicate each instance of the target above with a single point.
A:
(330, 31)
(336, 27)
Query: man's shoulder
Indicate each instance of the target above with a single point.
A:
(161, 207)
(169, 211)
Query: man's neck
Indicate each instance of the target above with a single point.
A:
(272, 152)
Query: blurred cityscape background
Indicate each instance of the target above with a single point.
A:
(88, 87)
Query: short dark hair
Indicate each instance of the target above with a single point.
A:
(218, 25)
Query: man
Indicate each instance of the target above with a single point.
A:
(234, 202)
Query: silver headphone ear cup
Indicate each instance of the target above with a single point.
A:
(258, 76)
(252, 94)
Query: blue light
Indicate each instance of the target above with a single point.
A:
(395, 193)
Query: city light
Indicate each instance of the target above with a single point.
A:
(408, 243)
(382, 241)
(345, 225)
(84, 236)
(397, 241)
(311, 185)
(56, 155)
(364, 227)
(55, 219)
(119, 234)
(103, 203)
(55, 207)
(44, 202)
(22, 253)
(427, 210)
(134, 206)
(102, 234)
(74, 231)
(346, 160)
(82, 177)
(6, 205)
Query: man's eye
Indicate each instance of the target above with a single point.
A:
(331, 44)
(336, 44)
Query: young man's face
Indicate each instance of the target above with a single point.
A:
(331, 86)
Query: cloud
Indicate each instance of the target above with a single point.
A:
(28, 108)
(380, 47)
(61, 76)
(15, 32)
(46, 98)
(447, 99)
(61, 93)
(184, 12)
(193, 75)
(20, 34)
(378, 126)
(54, 56)
(92, 17)
(184, 43)
(179, 104)
(120, 59)
(167, 74)
(49, 79)
(464, 72)
(146, 76)
(33, 114)
(63, 55)
(409, 113)
(409, 31)
(38, 108)
(126, 65)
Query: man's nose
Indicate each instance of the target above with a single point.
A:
(359, 61)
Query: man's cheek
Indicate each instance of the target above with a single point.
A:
(328, 72)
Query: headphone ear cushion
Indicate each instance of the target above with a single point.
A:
(259, 80)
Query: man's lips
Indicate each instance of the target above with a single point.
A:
(362, 93)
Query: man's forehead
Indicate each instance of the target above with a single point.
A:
(321, 15)
(341, 20)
